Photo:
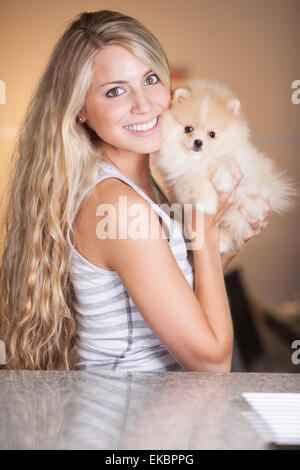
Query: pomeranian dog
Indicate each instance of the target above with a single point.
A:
(203, 134)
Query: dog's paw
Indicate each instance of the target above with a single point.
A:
(222, 180)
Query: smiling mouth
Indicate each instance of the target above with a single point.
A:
(142, 127)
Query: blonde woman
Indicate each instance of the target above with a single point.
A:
(70, 297)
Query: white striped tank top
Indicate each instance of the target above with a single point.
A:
(111, 332)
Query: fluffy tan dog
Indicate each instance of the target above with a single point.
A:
(203, 134)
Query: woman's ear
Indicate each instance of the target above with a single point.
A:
(82, 116)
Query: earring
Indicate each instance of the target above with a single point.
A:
(80, 119)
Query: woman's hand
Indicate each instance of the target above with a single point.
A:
(256, 226)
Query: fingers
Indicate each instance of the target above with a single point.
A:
(251, 234)
(236, 170)
(266, 208)
(254, 221)
(255, 225)
(226, 201)
(238, 175)
(256, 228)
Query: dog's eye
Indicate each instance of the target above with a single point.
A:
(188, 129)
(212, 134)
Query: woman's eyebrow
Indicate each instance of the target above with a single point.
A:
(121, 81)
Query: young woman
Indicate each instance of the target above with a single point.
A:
(71, 298)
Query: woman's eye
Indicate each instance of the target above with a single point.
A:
(152, 82)
(113, 94)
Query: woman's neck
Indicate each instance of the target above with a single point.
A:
(135, 167)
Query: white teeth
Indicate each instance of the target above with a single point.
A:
(143, 127)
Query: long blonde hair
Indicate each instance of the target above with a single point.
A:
(54, 159)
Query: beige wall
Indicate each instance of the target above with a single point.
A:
(252, 45)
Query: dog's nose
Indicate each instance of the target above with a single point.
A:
(198, 143)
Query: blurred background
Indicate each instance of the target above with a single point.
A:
(253, 47)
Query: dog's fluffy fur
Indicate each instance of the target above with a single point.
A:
(195, 174)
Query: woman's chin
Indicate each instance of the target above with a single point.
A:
(146, 148)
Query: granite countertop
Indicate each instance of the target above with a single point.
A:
(134, 410)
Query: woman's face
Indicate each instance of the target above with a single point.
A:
(124, 92)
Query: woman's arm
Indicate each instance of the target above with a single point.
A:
(226, 258)
(211, 293)
(210, 287)
(196, 331)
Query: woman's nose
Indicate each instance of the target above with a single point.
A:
(141, 103)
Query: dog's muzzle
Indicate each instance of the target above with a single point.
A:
(197, 145)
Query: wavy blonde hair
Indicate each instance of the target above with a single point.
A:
(54, 159)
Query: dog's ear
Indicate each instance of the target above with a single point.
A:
(234, 106)
(180, 94)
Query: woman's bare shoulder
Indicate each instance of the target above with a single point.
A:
(106, 191)
(86, 240)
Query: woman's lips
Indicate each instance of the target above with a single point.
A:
(144, 133)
